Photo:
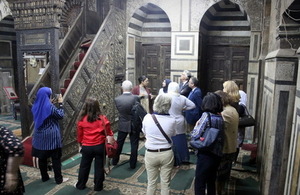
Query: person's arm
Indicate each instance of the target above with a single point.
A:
(189, 104)
(200, 125)
(13, 147)
(79, 133)
(11, 176)
(109, 133)
(135, 90)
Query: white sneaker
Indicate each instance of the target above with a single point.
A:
(65, 179)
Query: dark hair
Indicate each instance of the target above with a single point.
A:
(212, 103)
(195, 81)
(142, 78)
(226, 98)
(91, 109)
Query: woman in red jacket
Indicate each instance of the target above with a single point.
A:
(91, 136)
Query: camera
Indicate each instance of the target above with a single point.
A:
(55, 97)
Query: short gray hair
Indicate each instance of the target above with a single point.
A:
(187, 73)
(127, 85)
(162, 104)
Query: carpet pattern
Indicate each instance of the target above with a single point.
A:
(123, 180)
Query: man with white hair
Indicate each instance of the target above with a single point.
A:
(124, 104)
(184, 85)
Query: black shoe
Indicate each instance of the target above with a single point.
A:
(98, 189)
(45, 179)
(114, 162)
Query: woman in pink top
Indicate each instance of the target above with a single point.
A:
(91, 136)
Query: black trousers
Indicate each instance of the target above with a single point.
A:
(89, 153)
(134, 142)
(206, 173)
(55, 155)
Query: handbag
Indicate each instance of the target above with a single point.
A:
(208, 136)
(110, 148)
(247, 120)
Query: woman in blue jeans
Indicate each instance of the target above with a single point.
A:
(208, 160)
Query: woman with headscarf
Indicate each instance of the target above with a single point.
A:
(179, 104)
(164, 88)
(47, 141)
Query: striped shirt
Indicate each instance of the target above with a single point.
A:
(48, 135)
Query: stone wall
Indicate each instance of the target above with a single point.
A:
(278, 103)
(185, 18)
(292, 175)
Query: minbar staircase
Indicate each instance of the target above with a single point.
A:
(93, 72)
(83, 50)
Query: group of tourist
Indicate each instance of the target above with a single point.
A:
(172, 116)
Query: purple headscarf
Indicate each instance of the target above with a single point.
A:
(41, 108)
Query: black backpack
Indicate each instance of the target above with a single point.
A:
(137, 115)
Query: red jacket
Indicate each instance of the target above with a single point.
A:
(91, 134)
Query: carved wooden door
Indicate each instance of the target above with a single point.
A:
(155, 64)
(226, 63)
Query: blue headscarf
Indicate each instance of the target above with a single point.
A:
(41, 108)
(165, 89)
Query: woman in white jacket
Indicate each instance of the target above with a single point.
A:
(179, 104)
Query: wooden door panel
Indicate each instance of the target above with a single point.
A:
(216, 68)
(226, 63)
(156, 64)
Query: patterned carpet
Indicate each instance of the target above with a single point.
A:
(123, 180)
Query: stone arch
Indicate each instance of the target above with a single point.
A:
(149, 45)
(225, 34)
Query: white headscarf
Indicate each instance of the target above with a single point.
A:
(173, 88)
(243, 99)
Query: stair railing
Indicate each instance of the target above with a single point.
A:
(88, 74)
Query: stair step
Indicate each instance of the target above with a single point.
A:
(67, 83)
(63, 91)
(72, 73)
(86, 44)
(81, 56)
(76, 65)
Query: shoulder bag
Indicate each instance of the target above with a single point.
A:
(247, 120)
(208, 136)
(161, 129)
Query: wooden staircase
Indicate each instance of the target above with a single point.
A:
(83, 50)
